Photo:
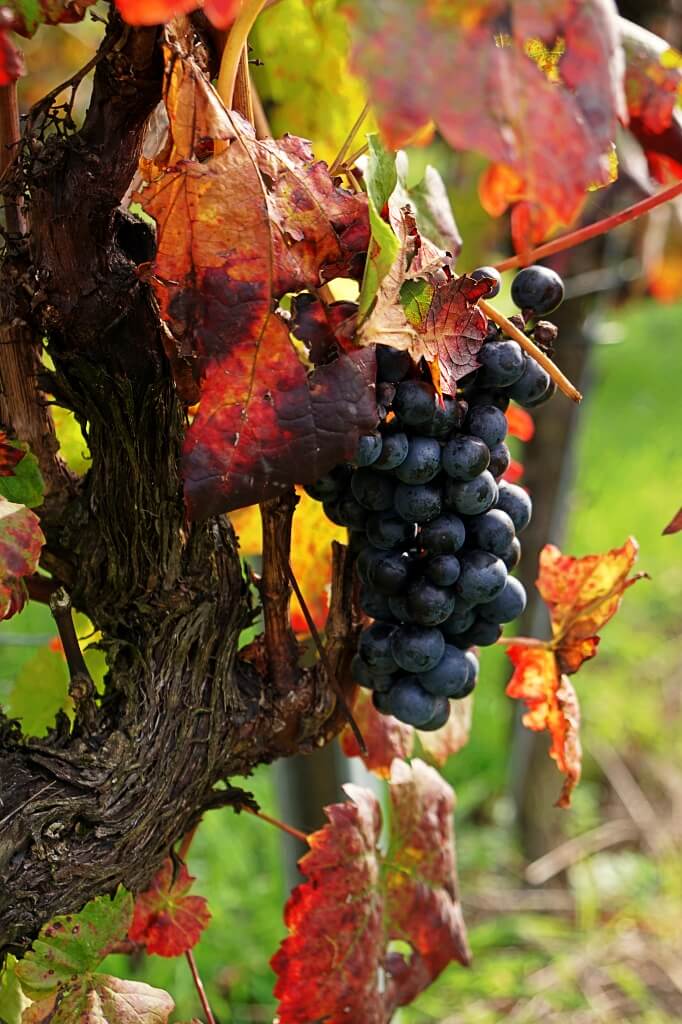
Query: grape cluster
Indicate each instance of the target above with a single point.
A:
(434, 527)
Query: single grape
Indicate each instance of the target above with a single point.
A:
(500, 399)
(508, 605)
(422, 462)
(418, 503)
(481, 634)
(385, 394)
(472, 661)
(375, 648)
(331, 510)
(465, 457)
(389, 573)
(380, 701)
(411, 704)
(471, 497)
(544, 397)
(500, 460)
(393, 452)
(487, 422)
(350, 512)
(446, 418)
(538, 289)
(516, 503)
(481, 273)
(482, 577)
(331, 485)
(460, 620)
(373, 490)
(440, 716)
(399, 610)
(361, 674)
(393, 364)
(502, 363)
(363, 563)
(450, 677)
(493, 531)
(443, 570)
(415, 403)
(428, 604)
(357, 542)
(387, 531)
(442, 536)
(417, 648)
(532, 385)
(512, 556)
(369, 449)
(374, 604)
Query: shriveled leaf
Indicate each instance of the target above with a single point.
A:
(74, 944)
(102, 999)
(364, 900)
(526, 109)
(20, 478)
(237, 231)
(582, 594)
(385, 737)
(381, 179)
(220, 13)
(553, 705)
(428, 199)
(443, 743)
(675, 524)
(21, 541)
(167, 919)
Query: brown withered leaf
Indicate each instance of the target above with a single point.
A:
(242, 223)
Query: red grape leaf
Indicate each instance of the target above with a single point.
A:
(476, 77)
(553, 705)
(25, 16)
(514, 472)
(385, 737)
(21, 541)
(12, 64)
(675, 524)
(220, 13)
(356, 900)
(10, 455)
(653, 78)
(520, 422)
(237, 231)
(441, 744)
(167, 920)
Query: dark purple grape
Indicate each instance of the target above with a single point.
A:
(500, 460)
(471, 497)
(417, 648)
(415, 403)
(443, 570)
(385, 396)
(331, 510)
(428, 604)
(481, 634)
(508, 605)
(442, 536)
(489, 273)
(516, 503)
(440, 716)
(350, 512)
(331, 485)
(380, 701)
(545, 397)
(375, 648)
(418, 503)
(532, 385)
(460, 620)
(446, 418)
(502, 363)
(487, 422)
(450, 677)
(394, 451)
(388, 531)
(369, 449)
(482, 577)
(363, 563)
(512, 556)
(422, 463)
(375, 604)
(493, 531)
(411, 704)
(399, 610)
(500, 399)
(473, 666)
(538, 289)
(361, 674)
(389, 573)
(465, 457)
(393, 364)
(373, 490)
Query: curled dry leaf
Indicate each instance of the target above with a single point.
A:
(364, 900)
(582, 594)
(242, 223)
(21, 541)
(167, 919)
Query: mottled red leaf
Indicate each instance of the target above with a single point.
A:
(675, 524)
(167, 920)
(356, 900)
(21, 541)
(653, 77)
(10, 455)
(475, 75)
(326, 328)
(220, 13)
(553, 705)
(237, 231)
(385, 737)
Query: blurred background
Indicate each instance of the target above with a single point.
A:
(573, 916)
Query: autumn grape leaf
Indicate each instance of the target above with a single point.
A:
(581, 594)
(385, 737)
(429, 202)
(13, 1002)
(478, 76)
(12, 64)
(10, 454)
(237, 231)
(675, 524)
(20, 477)
(520, 422)
(167, 920)
(26, 16)
(381, 179)
(104, 999)
(363, 899)
(441, 744)
(220, 13)
(21, 541)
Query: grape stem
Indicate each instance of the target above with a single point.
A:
(521, 641)
(559, 378)
(592, 230)
(236, 44)
(341, 155)
(198, 984)
(289, 829)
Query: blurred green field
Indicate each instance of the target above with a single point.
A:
(599, 944)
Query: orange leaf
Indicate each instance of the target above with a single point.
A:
(385, 737)
(166, 919)
(356, 900)
(220, 13)
(514, 472)
(520, 422)
(582, 594)
(552, 704)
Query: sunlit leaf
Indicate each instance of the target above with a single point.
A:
(102, 999)
(13, 1002)
(381, 179)
(220, 13)
(21, 541)
(20, 477)
(167, 919)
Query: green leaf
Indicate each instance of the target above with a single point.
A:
(416, 297)
(430, 204)
(101, 999)
(12, 1000)
(381, 179)
(74, 944)
(39, 691)
(25, 486)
